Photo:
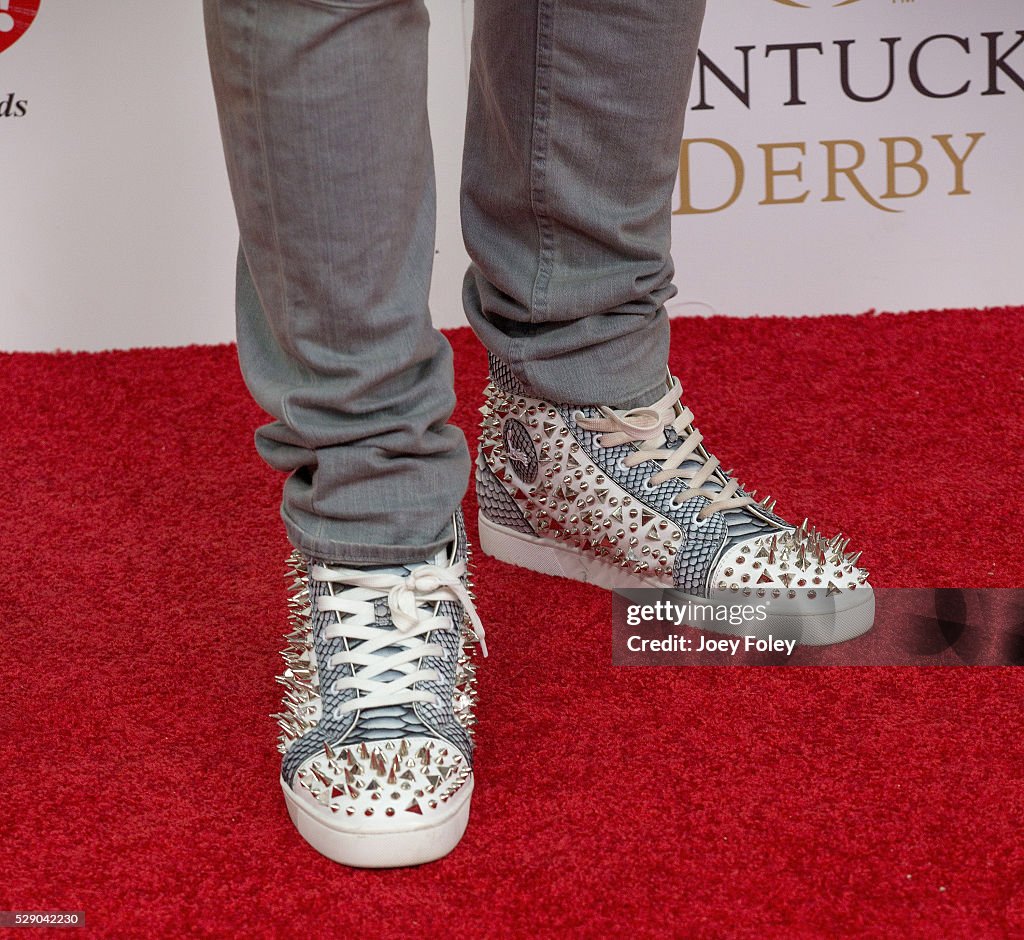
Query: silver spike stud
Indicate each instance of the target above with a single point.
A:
(321, 776)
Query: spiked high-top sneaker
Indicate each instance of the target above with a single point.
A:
(376, 730)
(632, 499)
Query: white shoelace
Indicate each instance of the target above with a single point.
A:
(405, 595)
(646, 426)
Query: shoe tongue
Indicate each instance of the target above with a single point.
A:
(670, 439)
(440, 560)
(399, 570)
(741, 523)
(383, 614)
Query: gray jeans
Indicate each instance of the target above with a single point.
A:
(572, 144)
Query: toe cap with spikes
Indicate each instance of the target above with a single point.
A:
(789, 561)
(392, 784)
(812, 590)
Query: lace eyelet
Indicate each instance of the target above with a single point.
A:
(336, 714)
(697, 522)
(577, 415)
(647, 485)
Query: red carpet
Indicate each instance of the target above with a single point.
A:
(142, 605)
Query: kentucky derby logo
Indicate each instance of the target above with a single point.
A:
(16, 17)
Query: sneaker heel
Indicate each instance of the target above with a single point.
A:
(531, 552)
(547, 557)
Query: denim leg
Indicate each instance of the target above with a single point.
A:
(323, 116)
(572, 148)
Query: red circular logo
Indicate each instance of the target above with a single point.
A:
(16, 17)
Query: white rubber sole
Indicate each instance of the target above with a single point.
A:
(808, 622)
(358, 846)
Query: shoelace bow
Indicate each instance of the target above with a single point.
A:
(405, 595)
(646, 426)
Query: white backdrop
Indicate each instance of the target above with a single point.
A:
(117, 230)
(931, 250)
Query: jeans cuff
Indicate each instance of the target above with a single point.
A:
(341, 552)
